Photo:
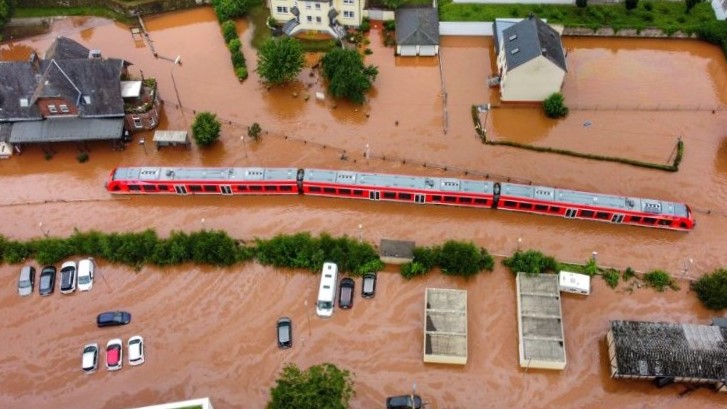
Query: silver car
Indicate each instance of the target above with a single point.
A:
(26, 281)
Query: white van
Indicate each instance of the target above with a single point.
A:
(327, 290)
(86, 272)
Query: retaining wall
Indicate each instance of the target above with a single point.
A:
(146, 7)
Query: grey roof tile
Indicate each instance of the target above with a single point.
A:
(530, 39)
(417, 26)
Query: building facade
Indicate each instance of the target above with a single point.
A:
(324, 16)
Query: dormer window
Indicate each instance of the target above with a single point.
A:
(87, 99)
(64, 108)
(24, 103)
(52, 109)
(515, 51)
(512, 37)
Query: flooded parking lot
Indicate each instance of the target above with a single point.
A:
(211, 332)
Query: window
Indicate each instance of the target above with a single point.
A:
(329, 190)
(481, 201)
(282, 10)
(664, 222)
(636, 219)
(137, 122)
(52, 109)
(349, 2)
(241, 188)
(195, 188)
(348, 14)
(256, 188)
(307, 6)
(586, 213)
(649, 220)
(405, 196)
(309, 19)
(344, 191)
(64, 108)
(315, 189)
(436, 198)
(526, 206)
(389, 195)
(510, 203)
(515, 51)
(149, 188)
(555, 209)
(163, 188)
(450, 199)
(358, 192)
(318, 19)
(318, 6)
(134, 188)
(603, 215)
(286, 188)
(271, 188)
(465, 200)
(210, 188)
(542, 208)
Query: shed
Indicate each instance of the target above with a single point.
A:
(445, 326)
(171, 138)
(417, 31)
(574, 283)
(396, 251)
(6, 150)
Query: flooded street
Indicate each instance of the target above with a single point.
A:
(210, 332)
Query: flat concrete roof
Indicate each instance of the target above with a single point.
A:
(540, 322)
(445, 326)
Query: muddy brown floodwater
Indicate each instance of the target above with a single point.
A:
(210, 332)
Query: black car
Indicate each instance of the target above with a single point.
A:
(345, 293)
(47, 280)
(113, 318)
(368, 289)
(285, 333)
(404, 402)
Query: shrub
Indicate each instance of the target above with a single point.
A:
(206, 129)
(241, 73)
(82, 157)
(648, 6)
(660, 280)
(711, 289)
(413, 269)
(389, 25)
(691, 3)
(463, 259)
(365, 25)
(229, 31)
(254, 130)
(591, 268)
(554, 106)
(530, 262)
(51, 250)
(238, 60)
(14, 251)
(234, 45)
(628, 274)
(611, 277)
(631, 4)
(426, 256)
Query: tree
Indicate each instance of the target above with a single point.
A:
(229, 31)
(631, 4)
(554, 106)
(280, 60)
(206, 129)
(581, 3)
(530, 262)
(711, 289)
(464, 259)
(320, 386)
(229, 9)
(347, 75)
(7, 7)
(253, 131)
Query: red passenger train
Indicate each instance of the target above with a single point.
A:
(544, 200)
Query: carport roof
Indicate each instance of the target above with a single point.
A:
(417, 26)
(67, 130)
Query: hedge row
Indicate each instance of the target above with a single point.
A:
(453, 258)
(229, 32)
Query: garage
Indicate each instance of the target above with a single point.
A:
(417, 31)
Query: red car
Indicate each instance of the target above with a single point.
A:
(114, 355)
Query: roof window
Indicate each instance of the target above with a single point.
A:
(512, 37)
(24, 103)
(515, 51)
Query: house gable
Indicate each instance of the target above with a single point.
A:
(417, 26)
(534, 80)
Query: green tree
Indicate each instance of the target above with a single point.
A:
(554, 106)
(253, 131)
(229, 9)
(530, 262)
(320, 386)
(206, 129)
(464, 259)
(347, 75)
(280, 60)
(229, 31)
(581, 3)
(711, 289)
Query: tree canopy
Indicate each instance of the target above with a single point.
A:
(320, 386)
(6, 11)
(347, 75)
(711, 289)
(280, 60)
(229, 9)
(206, 129)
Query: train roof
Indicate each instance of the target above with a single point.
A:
(398, 181)
(164, 174)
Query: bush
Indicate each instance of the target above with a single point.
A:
(241, 73)
(554, 106)
(582, 3)
(389, 25)
(234, 46)
(463, 259)
(238, 60)
(648, 6)
(426, 256)
(254, 130)
(413, 269)
(14, 251)
(530, 262)
(611, 277)
(51, 250)
(365, 25)
(206, 129)
(628, 274)
(691, 3)
(229, 31)
(320, 386)
(631, 4)
(660, 280)
(711, 289)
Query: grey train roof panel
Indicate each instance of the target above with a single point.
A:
(216, 174)
(397, 181)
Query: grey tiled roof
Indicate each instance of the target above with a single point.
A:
(18, 82)
(417, 26)
(65, 49)
(530, 39)
(67, 130)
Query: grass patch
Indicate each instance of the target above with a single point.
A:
(312, 46)
(258, 16)
(74, 11)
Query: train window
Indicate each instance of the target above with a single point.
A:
(271, 188)
(210, 188)
(554, 209)
(315, 189)
(509, 203)
(344, 191)
(358, 192)
(603, 215)
(526, 205)
(389, 195)
(195, 188)
(329, 190)
(450, 199)
(481, 201)
(465, 200)
(286, 188)
(542, 208)
(241, 188)
(149, 188)
(586, 213)
(649, 220)
(636, 218)
(134, 188)
(436, 198)
(405, 196)
(256, 188)
(163, 188)
(664, 222)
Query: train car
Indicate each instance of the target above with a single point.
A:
(225, 181)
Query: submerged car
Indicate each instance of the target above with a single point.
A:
(47, 280)
(114, 355)
(404, 402)
(26, 281)
(86, 272)
(136, 350)
(113, 318)
(285, 333)
(368, 288)
(89, 359)
(68, 277)
(345, 293)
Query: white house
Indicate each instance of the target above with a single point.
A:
(326, 16)
(417, 31)
(530, 59)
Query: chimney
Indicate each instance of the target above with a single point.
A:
(34, 61)
(94, 54)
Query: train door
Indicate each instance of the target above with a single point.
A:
(617, 218)
(419, 198)
(226, 189)
(374, 194)
(570, 213)
(180, 189)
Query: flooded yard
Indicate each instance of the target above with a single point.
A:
(210, 332)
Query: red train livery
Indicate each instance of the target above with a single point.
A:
(402, 188)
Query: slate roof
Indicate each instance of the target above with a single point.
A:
(417, 26)
(67, 130)
(18, 82)
(66, 49)
(530, 39)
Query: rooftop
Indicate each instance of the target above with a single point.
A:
(540, 322)
(445, 326)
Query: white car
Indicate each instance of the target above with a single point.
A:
(114, 354)
(136, 350)
(86, 272)
(68, 277)
(89, 359)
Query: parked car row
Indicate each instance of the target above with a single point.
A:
(114, 354)
(72, 277)
(347, 288)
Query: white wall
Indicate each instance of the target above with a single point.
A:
(465, 28)
(532, 81)
(515, 1)
(720, 9)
